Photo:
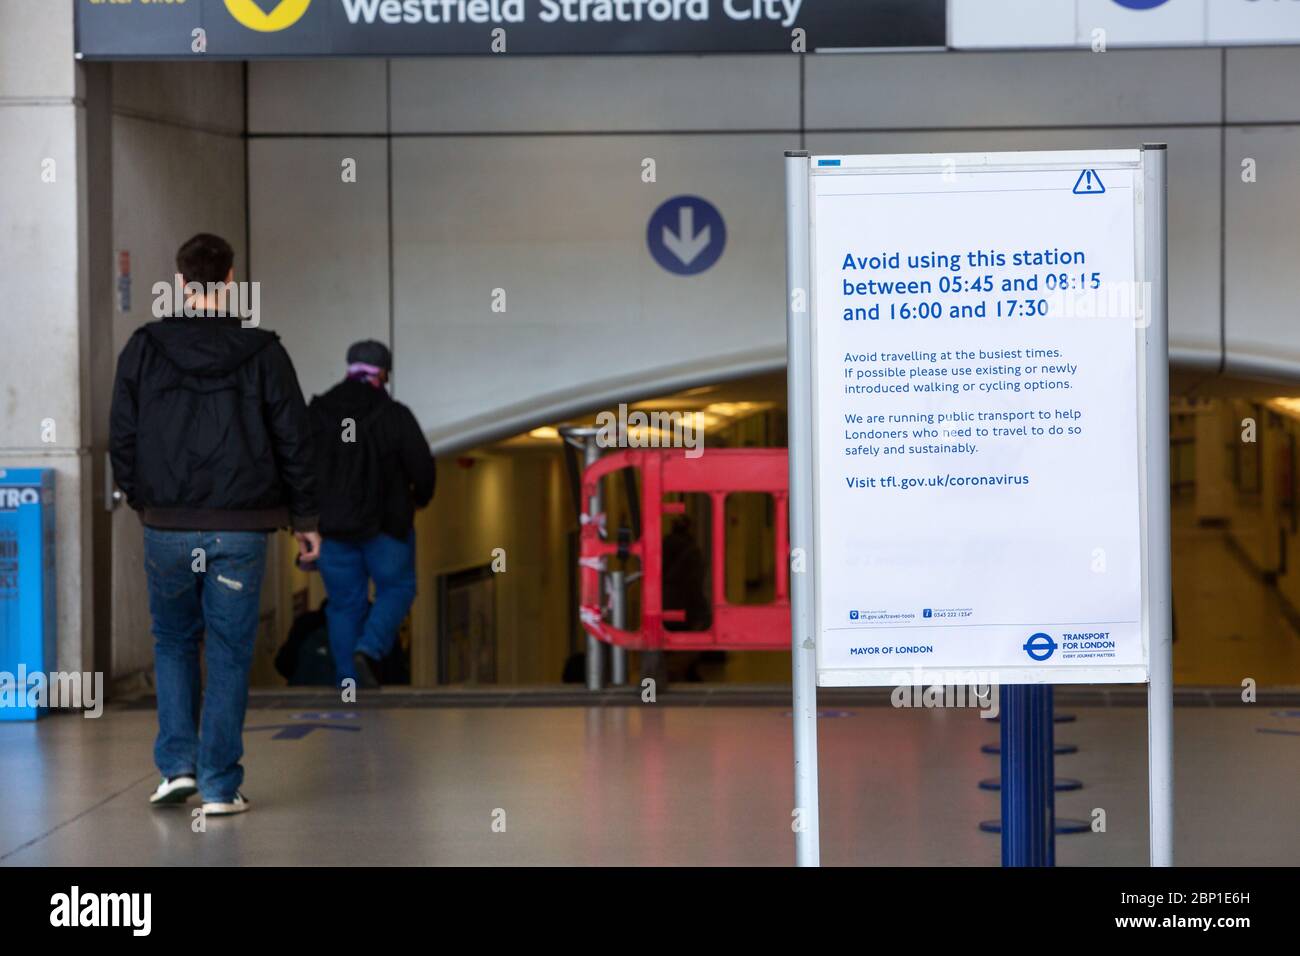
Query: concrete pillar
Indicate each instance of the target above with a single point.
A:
(1213, 485)
(44, 272)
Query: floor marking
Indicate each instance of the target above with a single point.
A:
(298, 731)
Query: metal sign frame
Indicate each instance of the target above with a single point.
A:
(1151, 343)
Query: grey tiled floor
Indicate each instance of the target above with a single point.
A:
(638, 785)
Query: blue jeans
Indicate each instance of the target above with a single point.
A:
(346, 568)
(202, 732)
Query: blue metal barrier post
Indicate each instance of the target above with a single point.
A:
(1028, 801)
(1048, 715)
(27, 602)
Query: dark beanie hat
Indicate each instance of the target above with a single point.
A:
(371, 352)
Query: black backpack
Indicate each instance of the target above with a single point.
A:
(304, 660)
(349, 477)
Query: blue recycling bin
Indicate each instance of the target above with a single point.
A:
(27, 597)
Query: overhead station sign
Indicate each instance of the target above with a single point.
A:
(180, 29)
(1093, 24)
(977, 385)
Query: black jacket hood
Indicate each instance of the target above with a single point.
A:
(351, 396)
(207, 346)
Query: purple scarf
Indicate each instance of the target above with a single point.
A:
(370, 374)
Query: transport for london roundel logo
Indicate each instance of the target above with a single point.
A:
(267, 16)
(1040, 647)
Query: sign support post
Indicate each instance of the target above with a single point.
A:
(1027, 777)
(806, 820)
(1160, 689)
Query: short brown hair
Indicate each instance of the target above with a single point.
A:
(205, 258)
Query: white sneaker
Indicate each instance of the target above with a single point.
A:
(174, 790)
(224, 808)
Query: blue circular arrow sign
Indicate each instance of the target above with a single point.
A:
(686, 235)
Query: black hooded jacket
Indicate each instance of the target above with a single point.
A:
(406, 474)
(209, 431)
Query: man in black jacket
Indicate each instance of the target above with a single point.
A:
(375, 470)
(211, 443)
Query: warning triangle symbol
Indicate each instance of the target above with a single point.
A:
(1089, 184)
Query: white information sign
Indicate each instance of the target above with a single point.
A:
(978, 417)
